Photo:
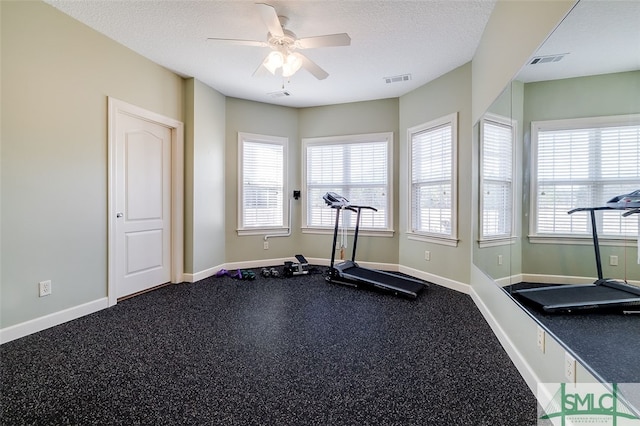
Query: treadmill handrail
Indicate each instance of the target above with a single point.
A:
(588, 209)
(351, 207)
(594, 234)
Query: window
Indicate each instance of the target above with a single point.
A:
(261, 183)
(583, 163)
(355, 166)
(433, 172)
(497, 138)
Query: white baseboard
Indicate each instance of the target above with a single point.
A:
(524, 368)
(192, 278)
(230, 266)
(511, 279)
(436, 279)
(392, 267)
(549, 279)
(561, 279)
(38, 324)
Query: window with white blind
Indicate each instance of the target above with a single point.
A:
(583, 163)
(356, 167)
(497, 139)
(433, 175)
(262, 177)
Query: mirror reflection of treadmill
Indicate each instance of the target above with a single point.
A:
(604, 294)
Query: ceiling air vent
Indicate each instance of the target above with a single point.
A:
(279, 94)
(547, 59)
(397, 78)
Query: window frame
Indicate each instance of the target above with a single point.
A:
(387, 137)
(571, 124)
(242, 229)
(451, 239)
(502, 239)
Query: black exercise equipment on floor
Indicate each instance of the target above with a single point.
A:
(351, 274)
(292, 269)
(604, 293)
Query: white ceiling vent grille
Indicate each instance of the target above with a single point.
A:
(279, 94)
(397, 78)
(547, 59)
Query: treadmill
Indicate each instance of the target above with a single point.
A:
(604, 293)
(351, 274)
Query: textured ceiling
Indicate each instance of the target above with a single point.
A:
(424, 38)
(598, 37)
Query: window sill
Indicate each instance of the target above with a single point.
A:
(387, 233)
(451, 242)
(262, 231)
(495, 242)
(586, 240)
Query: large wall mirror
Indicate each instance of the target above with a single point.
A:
(586, 73)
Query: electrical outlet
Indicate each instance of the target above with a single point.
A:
(266, 245)
(45, 288)
(499, 259)
(541, 339)
(613, 260)
(569, 368)
(427, 255)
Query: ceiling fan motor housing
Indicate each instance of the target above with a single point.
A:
(287, 41)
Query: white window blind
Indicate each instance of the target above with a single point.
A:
(356, 167)
(584, 163)
(262, 181)
(497, 172)
(433, 186)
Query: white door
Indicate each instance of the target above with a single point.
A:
(142, 204)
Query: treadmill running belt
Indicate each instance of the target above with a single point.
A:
(577, 297)
(391, 281)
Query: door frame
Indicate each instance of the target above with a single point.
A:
(116, 106)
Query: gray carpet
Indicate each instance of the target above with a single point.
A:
(294, 351)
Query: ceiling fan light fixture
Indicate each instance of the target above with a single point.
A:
(283, 44)
(274, 61)
(291, 65)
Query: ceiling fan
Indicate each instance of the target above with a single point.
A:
(285, 44)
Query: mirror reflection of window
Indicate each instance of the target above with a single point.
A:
(583, 163)
(497, 138)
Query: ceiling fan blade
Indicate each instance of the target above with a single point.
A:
(312, 67)
(254, 43)
(270, 18)
(329, 40)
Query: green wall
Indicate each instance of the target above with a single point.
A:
(254, 117)
(515, 30)
(296, 124)
(510, 105)
(56, 76)
(445, 95)
(349, 119)
(601, 95)
(205, 111)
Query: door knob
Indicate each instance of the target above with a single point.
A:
(118, 214)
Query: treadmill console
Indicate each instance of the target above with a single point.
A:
(625, 201)
(332, 199)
